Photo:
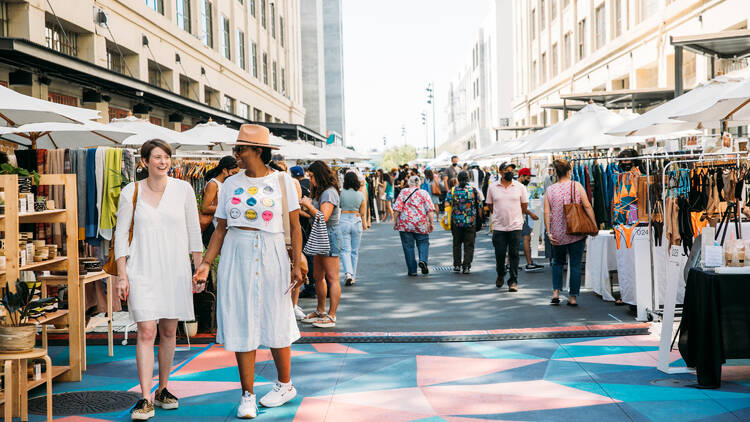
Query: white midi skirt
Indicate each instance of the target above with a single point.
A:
(252, 309)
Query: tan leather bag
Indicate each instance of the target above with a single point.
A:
(577, 222)
(110, 267)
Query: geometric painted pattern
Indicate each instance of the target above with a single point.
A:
(583, 379)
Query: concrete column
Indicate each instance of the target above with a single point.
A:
(103, 109)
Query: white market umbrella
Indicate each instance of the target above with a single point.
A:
(343, 154)
(730, 105)
(18, 109)
(659, 121)
(145, 131)
(220, 135)
(443, 159)
(55, 135)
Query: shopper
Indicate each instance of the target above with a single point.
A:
(507, 201)
(305, 223)
(254, 307)
(524, 177)
(325, 199)
(412, 218)
(227, 166)
(353, 208)
(154, 268)
(465, 203)
(433, 188)
(387, 185)
(563, 244)
(451, 172)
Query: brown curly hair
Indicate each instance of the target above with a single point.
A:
(324, 178)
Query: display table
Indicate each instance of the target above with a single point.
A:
(600, 260)
(715, 323)
(17, 384)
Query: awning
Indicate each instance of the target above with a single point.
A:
(722, 45)
(624, 98)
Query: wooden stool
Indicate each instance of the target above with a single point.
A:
(16, 383)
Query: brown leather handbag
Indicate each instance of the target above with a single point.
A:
(110, 267)
(577, 222)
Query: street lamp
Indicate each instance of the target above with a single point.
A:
(431, 100)
(426, 134)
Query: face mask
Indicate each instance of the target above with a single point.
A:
(455, 164)
(508, 176)
(626, 166)
(526, 182)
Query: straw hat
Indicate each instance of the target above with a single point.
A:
(254, 136)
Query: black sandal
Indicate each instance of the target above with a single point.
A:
(619, 302)
(571, 304)
(555, 301)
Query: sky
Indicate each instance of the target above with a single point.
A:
(392, 50)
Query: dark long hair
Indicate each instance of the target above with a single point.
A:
(351, 181)
(324, 178)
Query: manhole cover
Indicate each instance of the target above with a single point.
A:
(673, 382)
(84, 403)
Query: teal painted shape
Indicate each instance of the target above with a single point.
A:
(431, 419)
(495, 352)
(402, 374)
(565, 371)
(733, 404)
(229, 374)
(632, 393)
(566, 351)
(680, 410)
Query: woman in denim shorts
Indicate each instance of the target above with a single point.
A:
(325, 198)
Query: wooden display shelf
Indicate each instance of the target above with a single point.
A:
(50, 317)
(32, 384)
(38, 266)
(46, 216)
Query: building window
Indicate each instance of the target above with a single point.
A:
(4, 19)
(581, 50)
(155, 121)
(117, 113)
(532, 24)
(241, 49)
(265, 68)
(542, 20)
(257, 115)
(567, 50)
(153, 76)
(532, 79)
(281, 30)
(553, 60)
(226, 47)
(275, 79)
(648, 8)
(263, 13)
(601, 26)
(254, 58)
(543, 69)
(552, 10)
(183, 14)
(115, 62)
(229, 104)
(59, 42)
(184, 127)
(251, 5)
(208, 93)
(273, 20)
(245, 111)
(184, 87)
(283, 82)
(269, 118)
(56, 98)
(618, 17)
(157, 5)
(208, 23)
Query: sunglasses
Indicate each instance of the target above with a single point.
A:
(239, 149)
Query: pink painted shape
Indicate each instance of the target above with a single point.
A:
(318, 410)
(336, 348)
(735, 373)
(184, 389)
(401, 399)
(617, 341)
(460, 419)
(80, 419)
(538, 388)
(647, 359)
(441, 369)
(218, 358)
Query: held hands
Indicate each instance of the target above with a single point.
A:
(533, 216)
(123, 288)
(200, 277)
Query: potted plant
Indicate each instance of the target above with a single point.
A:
(23, 174)
(16, 334)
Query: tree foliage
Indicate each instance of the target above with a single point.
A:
(395, 156)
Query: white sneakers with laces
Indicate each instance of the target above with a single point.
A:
(280, 394)
(247, 408)
(299, 313)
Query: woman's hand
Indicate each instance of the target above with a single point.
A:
(123, 288)
(297, 278)
(551, 238)
(200, 277)
(306, 202)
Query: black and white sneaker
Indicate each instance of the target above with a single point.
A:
(533, 268)
(423, 267)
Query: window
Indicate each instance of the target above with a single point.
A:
(648, 8)
(208, 23)
(241, 50)
(265, 68)
(251, 5)
(281, 30)
(226, 48)
(115, 62)
(553, 61)
(229, 104)
(56, 98)
(532, 79)
(57, 41)
(552, 10)
(245, 111)
(581, 50)
(601, 26)
(275, 79)
(283, 82)
(542, 20)
(208, 94)
(183, 14)
(184, 87)
(269, 118)
(543, 69)
(618, 17)
(257, 115)
(254, 58)
(273, 20)
(532, 24)
(4, 19)
(263, 13)
(567, 50)
(153, 76)
(157, 5)
(117, 113)
(155, 121)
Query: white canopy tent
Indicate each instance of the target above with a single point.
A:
(53, 135)
(18, 109)
(729, 106)
(145, 131)
(443, 159)
(217, 134)
(344, 154)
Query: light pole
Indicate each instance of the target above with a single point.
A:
(431, 100)
(403, 133)
(426, 134)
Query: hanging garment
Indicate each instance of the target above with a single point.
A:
(78, 166)
(600, 210)
(626, 232)
(111, 192)
(657, 223)
(588, 182)
(92, 213)
(685, 224)
(642, 195)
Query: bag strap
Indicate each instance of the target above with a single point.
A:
(285, 210)
(132, 217)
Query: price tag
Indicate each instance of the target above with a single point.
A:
(713, 256)
(641, 233)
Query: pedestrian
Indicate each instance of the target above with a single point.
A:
(451, 172)
(433, 187)
(154, 268)
(371, 198)
(227, 166)
(305, 223)
(387, 185)
(524, 176)
(565, 191)
(507, 201)
(465, 203)
(253, 304)
(412, 218)
(325, 199)
(353, 208)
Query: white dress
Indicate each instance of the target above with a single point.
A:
(158, 265)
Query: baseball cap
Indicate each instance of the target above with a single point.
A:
(506, 164)
(297, 171)
(525, 172)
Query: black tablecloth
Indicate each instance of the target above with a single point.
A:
(715, 322)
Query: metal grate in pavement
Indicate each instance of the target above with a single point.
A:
(442, 268)
(84, 403)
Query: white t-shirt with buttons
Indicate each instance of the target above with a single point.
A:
(255, 202)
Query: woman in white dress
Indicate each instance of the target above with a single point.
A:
(254, 305)
(154, 268)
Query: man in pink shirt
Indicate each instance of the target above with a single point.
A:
(508, 201)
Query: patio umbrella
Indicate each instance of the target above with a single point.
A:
(219, 135)
(18, 109)
(729, 106)
(54, 135)
(658, 121)
(343, 154)
(145, 131)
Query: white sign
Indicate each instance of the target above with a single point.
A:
(713, 256)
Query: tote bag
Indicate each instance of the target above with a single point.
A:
(317, 243)
(577, 222)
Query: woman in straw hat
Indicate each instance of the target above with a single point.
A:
(254, 306)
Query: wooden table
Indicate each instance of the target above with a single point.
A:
(17, 384)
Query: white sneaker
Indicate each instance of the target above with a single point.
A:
(279, 395)
(299, 313)
(247, 408)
